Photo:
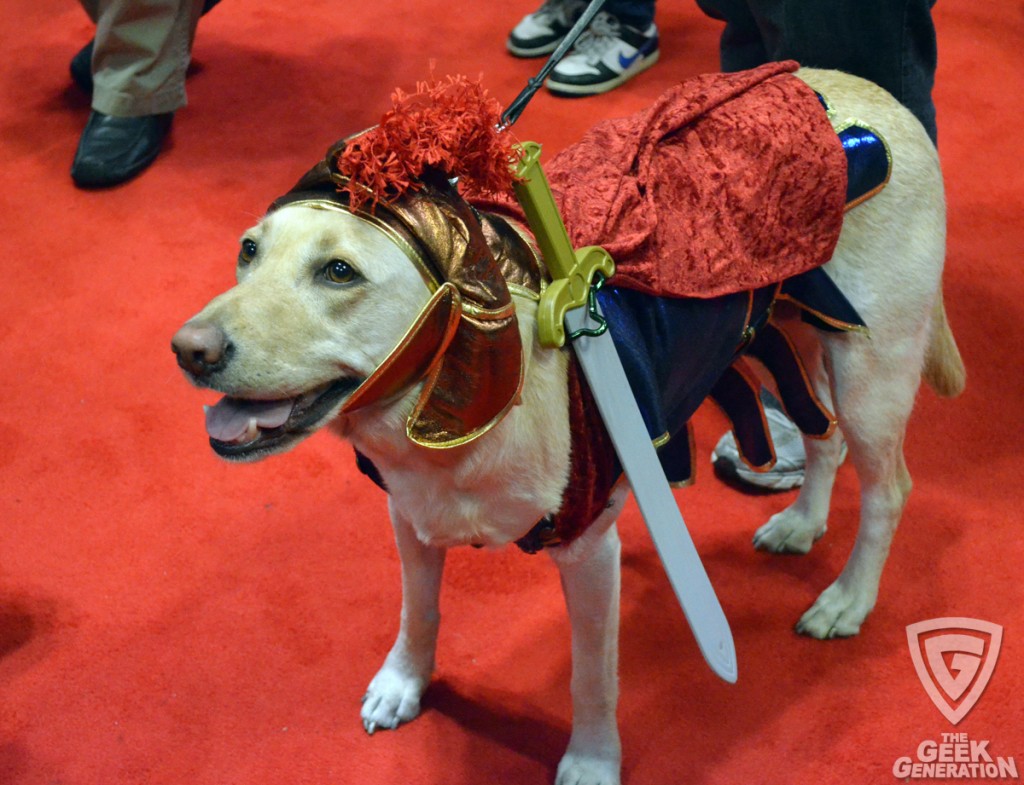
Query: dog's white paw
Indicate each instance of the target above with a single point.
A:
(585, 770)
(837, 613)
(788, 532)
(391, 699)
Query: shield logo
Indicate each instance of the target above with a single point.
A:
(954, 659)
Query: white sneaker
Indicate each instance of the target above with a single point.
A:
(606, 55)
(788, 471)
(540, 33)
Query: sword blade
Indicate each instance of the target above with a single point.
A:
(607, 379)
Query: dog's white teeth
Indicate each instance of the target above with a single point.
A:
(252, 432)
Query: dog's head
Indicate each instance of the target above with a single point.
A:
(336, 310)
(322, 298)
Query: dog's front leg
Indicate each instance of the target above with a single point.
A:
(590, 581)
(393, 696)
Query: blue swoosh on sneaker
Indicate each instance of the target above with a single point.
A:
(626, 62)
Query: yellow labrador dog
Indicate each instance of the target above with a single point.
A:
(323, 297)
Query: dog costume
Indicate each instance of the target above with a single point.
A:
(717, 203)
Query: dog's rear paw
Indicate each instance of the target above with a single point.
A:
(583, 770)
(391, 699)
(787, 532)
(837, 613)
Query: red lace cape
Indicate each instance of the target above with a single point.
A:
(728, 182)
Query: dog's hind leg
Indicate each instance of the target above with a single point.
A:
(799, 526)
(874, 426)
(393, 696)
(590, 572)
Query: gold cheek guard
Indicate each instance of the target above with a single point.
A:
(417, 356)
(464, 345)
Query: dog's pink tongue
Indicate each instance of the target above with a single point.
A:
(229, 419)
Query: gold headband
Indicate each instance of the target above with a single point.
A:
(412, 253)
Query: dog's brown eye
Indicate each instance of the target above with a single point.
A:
(340, 272)
(247, 252)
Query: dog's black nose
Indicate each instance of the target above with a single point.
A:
(201, 347)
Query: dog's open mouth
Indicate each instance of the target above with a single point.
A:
(241, 427)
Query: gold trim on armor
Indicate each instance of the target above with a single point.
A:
(753, 381)
(830, 110)
(833, 421)
(524, 291)
(747, 335)
(829, 320)
(458, 441)
(693, 460)
(849, 123)
(353, 403)
(489, 313)
(414, 256)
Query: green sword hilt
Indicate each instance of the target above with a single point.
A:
(572, 271)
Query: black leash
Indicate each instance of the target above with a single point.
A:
(511, 114)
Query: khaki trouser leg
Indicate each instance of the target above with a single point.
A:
(142, 51)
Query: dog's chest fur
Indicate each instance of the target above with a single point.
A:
(494, 489)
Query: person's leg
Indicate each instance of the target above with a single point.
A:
(541, 32)
(741, 45)
(621, 42)
(889, 42)
(635, 13)
(81, 63)
(140, 55)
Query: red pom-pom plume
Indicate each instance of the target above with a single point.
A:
(450, 126)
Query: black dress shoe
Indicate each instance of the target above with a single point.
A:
(115, 149)
(81, 69)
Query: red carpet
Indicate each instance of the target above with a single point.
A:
(169, 619)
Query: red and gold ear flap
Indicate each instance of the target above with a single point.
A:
(481, 374)
(477, 381)
(416, 355)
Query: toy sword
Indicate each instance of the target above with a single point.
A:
(570, 301)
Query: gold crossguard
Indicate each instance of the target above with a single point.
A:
(573, 274)
(572, 271)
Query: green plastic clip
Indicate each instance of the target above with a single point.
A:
(572, 271)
